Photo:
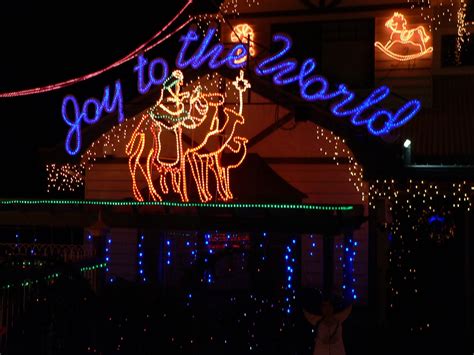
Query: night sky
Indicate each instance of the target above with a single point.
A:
(43, 43)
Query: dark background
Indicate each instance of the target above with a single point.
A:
(48, 42)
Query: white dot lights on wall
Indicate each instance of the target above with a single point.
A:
(338, 150)
(67, 178)
(413, 207)
(226, 9)
(452, 11)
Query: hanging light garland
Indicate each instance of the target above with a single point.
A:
(462, 32)
(338, 150)
(228, 8)
(146, 46)
(450, 10)
(421, 212)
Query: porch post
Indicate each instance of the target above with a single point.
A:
(328, 263)
(378, 261)
(467, 273)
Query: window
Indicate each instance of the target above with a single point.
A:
(470, 10)
(448, 52)
(343, 50)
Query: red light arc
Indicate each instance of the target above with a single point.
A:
(146, 46)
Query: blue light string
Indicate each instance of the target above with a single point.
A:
(290, 261)
(313, 245)
(168, 252)
(141, 258)
(348, 271)
(32, 251)
(189, 299)
(108, 249)
(262, 246)
(207, 272)
(194, 253)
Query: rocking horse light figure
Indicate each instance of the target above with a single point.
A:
(413, 40)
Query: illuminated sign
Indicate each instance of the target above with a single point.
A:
(284, 71)
(221, 241)
(414, 40)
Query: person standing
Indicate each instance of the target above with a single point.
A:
(328, 327)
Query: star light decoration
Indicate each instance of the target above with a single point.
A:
(241, 85)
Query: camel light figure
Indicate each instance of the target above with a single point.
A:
(207, 156)
(414, 40)
(175, 113)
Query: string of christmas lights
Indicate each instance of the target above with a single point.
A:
(30, 282)
(462, 32)
(228, 8)
(146, 46)
(419, 213)
(290, 262)
(347, 253)
(107, 257)
(140, 258)
(11, 202)
(452, 11)
(338, 150)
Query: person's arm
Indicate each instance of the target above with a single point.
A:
(342, 315)
(311, 318)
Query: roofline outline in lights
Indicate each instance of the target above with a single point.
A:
(314, 207)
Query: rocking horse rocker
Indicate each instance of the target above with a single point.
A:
(414, 40)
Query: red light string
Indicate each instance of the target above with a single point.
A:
(146, 46)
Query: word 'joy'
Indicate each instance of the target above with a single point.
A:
(284, 71)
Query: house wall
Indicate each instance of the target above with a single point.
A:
(292, 149)
(322, 183)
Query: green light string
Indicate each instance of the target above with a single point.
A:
(168, 117)
(29, 282)
(179, 204)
